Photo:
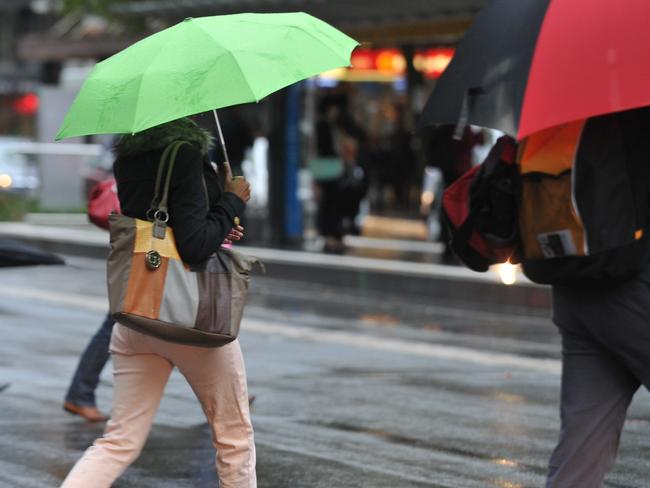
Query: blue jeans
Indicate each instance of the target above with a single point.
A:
(86, 378)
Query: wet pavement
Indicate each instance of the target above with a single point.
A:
(354, 389)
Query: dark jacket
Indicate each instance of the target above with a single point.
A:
(198, 232)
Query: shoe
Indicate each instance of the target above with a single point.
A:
(90, 414)
(334, 247)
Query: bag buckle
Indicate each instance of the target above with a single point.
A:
(153, 260)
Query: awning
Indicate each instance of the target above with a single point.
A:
(379, 21)
(45, 47)
(13, 5)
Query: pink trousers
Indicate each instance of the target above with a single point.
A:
(141, 368)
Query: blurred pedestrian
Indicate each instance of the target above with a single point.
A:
(80, 398)
(142, 364)
(340, 179)
(453, 153)
(351, 187)
(400, 164)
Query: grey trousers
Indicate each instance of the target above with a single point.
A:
(605, 358)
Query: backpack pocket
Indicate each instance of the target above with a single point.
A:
(549, 223)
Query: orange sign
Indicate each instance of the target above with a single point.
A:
(431, 62)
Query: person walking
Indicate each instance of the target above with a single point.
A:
(80, 398)
(599, 266)
(142, 364)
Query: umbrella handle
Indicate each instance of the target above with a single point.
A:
(221, 139)
(463, 117)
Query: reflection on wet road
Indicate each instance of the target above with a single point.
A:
(352, 390)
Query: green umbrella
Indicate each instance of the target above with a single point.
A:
(202, 64)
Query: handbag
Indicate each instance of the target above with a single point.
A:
(326, 168)
(102, 202)
(152, 291)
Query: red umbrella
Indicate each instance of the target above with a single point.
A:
(526, 65)
(591, 59)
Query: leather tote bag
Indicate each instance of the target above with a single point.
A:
(152, 291)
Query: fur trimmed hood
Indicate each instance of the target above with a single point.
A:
(158, 137)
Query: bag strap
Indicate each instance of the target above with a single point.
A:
(161, 216)
(158, 211)
(156, 195)
(168, 154)
(162, 206)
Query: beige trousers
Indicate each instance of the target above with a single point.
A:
(141, 367)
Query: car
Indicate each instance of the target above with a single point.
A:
(18, 173)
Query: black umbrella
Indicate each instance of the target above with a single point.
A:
(486, 80)
(526, 65)
(13, 253)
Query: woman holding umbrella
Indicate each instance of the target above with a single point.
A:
(142, 364)
(208, 63)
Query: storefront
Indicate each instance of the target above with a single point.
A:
(384, 105)
(405, 46)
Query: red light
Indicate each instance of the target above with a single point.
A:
(433, 62)
(27, 104)
(363, 59)
(390, 61)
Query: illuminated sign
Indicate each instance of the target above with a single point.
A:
(431, 62)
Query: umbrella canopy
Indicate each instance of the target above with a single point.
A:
(527, 65)
(202, 64)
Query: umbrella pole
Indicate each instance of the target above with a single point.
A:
(223, 142)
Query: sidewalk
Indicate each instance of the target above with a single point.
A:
(359, 273)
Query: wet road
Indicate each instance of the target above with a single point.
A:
(353, 390)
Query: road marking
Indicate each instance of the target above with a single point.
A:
(87, 302)
(312, 334)
(454, 312)
(434, 351)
